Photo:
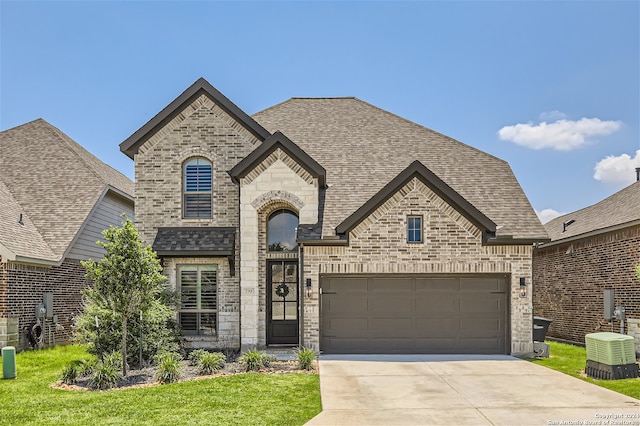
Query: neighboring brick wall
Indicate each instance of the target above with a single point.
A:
(26, 286)
(569, 280)
(452, 245)
(3, 288)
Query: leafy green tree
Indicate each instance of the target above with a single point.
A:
(127, 281)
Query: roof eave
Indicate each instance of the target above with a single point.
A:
(278, 140)
(201, 86)
(591, 233)
(437, 185)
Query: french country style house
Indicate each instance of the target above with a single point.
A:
(332, 224)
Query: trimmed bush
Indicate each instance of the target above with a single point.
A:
(305, 358)
(211, 362)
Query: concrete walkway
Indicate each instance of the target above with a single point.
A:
(461, 390)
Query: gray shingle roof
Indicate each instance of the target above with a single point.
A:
(621, 208)
(54, 183)
(194, 241)
(363, 147)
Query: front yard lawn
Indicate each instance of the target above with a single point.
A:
(246, 399)
(571, 360)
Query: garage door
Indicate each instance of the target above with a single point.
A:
(414, 314)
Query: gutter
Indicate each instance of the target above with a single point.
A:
(591, 234)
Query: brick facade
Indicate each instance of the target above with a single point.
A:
(26, 286)
(202, 130)
(569, 280)
(451, 245)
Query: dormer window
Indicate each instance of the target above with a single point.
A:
(197, 177)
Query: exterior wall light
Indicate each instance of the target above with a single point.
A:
(523, 287)
(307, 286)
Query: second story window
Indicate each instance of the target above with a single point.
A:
(197, 177)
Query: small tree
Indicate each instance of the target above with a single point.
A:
(127, 280)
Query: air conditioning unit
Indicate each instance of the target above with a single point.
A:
(611, 356)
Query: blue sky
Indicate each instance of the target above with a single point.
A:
(550, 87)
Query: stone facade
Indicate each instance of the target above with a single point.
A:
(451, 245)
(278, 182)
(569, 280)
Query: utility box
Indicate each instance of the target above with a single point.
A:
(8, 362)
(609, 303)
(47, 301)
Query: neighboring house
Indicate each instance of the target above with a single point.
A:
(55, 201)
(591, 250)
(332, 224)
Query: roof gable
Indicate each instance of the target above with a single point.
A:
(363, 147)
(131, 145)
(437, 185)
(275, 141)
(55, 184)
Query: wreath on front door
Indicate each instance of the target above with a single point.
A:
(282, 290)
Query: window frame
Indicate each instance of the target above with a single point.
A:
(198, 310)
(185, 193)
(412, 229)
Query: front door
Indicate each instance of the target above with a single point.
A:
(282, 302)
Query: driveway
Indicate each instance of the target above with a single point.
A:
(461, 390)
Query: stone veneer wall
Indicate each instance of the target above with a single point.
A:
(569, 280)
(28, 283)
(278, 182)
(451, 245)
(202, 130)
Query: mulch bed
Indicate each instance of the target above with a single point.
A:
(145, 377)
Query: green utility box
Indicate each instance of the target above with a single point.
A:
(610, 348)
(8, 362)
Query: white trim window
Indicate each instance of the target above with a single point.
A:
(198, 179)
(198, 293)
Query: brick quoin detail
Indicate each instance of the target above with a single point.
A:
(569, 280)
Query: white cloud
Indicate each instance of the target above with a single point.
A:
(620, 169)
(547, 214)
(561, 135)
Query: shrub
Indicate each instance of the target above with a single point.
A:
(105, 375)
(86, 366)
(211, 362)
(168, 367)
(194, 356)
(305, 358)
(254, 360)
(70, 373)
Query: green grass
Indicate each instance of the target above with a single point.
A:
(243, 399)
(571, 360)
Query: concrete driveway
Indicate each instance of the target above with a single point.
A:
(461, 390)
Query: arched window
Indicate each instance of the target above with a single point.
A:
(197, 177)
(281, 230)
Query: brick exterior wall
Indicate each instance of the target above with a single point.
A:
(569, 280)
(201, 130)
(26, 286)
(451, 245)
(3, 288)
